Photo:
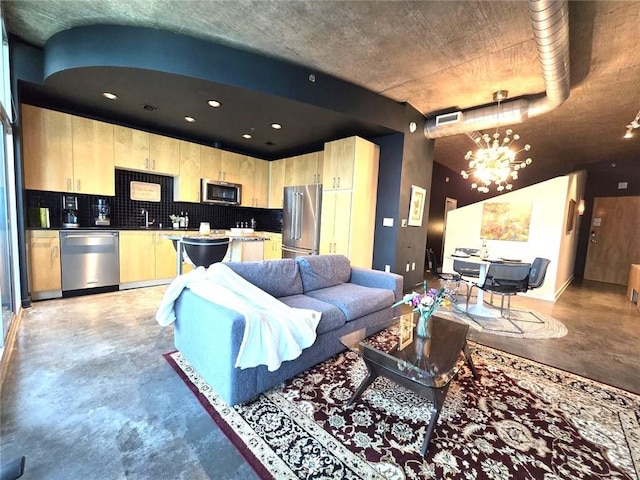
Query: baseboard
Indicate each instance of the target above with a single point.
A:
(9, 343)
(564, 286)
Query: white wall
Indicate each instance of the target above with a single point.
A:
(547, 231)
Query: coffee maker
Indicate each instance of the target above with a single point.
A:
(101, 213)
(70, 211)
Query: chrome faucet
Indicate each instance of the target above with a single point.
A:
(147, 223)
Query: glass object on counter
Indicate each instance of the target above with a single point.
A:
(205, 228)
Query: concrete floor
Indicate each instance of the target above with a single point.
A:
(88, 394)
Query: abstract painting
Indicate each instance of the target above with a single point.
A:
(506, 221)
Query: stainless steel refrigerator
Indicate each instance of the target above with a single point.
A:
(301, 220)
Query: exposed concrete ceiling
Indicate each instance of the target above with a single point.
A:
(437, 56)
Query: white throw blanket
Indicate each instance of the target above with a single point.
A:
(274, 332)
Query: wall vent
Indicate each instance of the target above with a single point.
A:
(448, 118)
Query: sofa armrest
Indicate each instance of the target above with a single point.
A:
(209, 336)
(378, 279)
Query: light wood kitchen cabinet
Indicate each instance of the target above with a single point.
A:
(165, 257)
(273, 247)
(340, 158)
(210, 163)
(145, 152)
(47, 149)
(261, 183)
(146, 256)
(44, 264)
(276, 183)
(66, 153)
(348, 215)
(220, 165)
(93, 158)
(186, 186)
(304, 169)
(255, 174)
(335, 221)
(231, 167)
(137, 256)
(163, 152)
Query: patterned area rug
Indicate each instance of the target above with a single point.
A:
(521, 323)
(519, 420)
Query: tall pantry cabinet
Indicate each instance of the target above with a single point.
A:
(350, 188)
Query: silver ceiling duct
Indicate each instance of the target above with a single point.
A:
(551, 30)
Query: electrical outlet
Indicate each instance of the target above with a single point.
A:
(387, 268)
(404, 222)
(407, 267)
(413, 266)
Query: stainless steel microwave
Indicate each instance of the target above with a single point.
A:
(214, 191)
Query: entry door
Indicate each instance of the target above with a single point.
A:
(613, 239)
(449, 204)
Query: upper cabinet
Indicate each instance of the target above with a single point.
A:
(93, 167)
(231, 167)
(163, 152)
(143, 151)
(255, 179)
(303, 169)
(186, 186)
(339, 160)
(210, 163)
(276, 183)
(47, 149)
(65, 153)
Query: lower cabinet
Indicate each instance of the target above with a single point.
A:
(45, 278)
(273, 247)
(146, 256)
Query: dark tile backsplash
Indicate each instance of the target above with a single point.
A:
(127, 213)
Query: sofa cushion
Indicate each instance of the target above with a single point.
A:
(332, 317)
(278, 278)
(322, 271)
(355, 301)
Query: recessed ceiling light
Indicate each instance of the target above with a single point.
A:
(214, 103)
(109, 95)
(246, 135)
(276, 126)
(190, 119)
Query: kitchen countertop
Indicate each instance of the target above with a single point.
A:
(241, 237)
(191, 232)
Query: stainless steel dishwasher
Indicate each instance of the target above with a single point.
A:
(90, 260)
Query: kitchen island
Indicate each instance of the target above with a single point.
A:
(243, 246)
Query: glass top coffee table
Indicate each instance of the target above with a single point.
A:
(424, 366)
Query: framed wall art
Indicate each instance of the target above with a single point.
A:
(571, 215)
(416, 206)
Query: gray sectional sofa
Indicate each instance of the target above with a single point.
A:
(209, 335)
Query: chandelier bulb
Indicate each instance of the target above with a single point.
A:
(509, 131)
(509, 187)
(516, 137)
(527, 147)
(500, 188)
(528, 161)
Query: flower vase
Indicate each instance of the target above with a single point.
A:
(423, 328)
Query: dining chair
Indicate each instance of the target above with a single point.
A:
(538, 272)
(506, 280)
(434, 267)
